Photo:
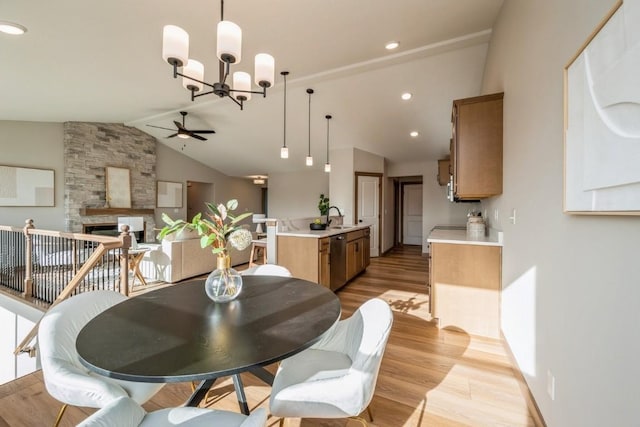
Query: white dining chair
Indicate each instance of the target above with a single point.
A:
(65, 378)
(125, 412)
(267, 270)
(336, 377)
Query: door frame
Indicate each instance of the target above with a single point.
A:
(398, 205)
(380, 203)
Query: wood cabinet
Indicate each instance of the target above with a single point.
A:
(465, 287)
(324, 272)
(355, 253)
(443, 171)
(476, 149)
(306, 258)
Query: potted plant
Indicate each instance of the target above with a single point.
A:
(323, 207)
(217, 229)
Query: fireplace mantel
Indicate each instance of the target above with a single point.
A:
(115, 211)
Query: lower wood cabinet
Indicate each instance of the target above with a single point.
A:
(324, 272)
(306, 258)
(357, 252)
(465, 283)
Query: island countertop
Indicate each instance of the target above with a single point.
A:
(457, 236)
(319, 234)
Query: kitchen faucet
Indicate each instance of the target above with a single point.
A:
(329, 210)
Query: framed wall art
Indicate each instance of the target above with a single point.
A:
(26, 186)
(602, 118)
(118, 182)
(169, 194)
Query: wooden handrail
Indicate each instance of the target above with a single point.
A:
(106, 243)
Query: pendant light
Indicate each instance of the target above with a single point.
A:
(309, 161)
(284, 151)
(327, 166)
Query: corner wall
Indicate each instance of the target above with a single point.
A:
(570, 283)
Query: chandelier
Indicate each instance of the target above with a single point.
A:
(175, 50)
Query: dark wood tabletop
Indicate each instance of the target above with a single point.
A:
(177, 333)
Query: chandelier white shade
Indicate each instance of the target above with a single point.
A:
(195, 72)
(175, 50)
(229, 47)
(309, 161)
(175, 45)
(327, 167)
(284, 153)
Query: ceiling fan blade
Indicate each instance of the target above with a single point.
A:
(172, 135)
(201, 138)
(179, 125)
(203, 131)
(160, 127)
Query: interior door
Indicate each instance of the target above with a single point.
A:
(412, 214)
(369, 208)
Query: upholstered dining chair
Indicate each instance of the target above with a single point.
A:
(267, 270)
(125, 412)
(336, 377)
(65, 378)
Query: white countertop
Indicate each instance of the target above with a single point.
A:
(319, 234)
(460, 237)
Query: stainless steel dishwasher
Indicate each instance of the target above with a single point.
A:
(337, 260)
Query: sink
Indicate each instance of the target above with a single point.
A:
(340, 227)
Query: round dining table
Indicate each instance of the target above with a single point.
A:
(177, 333)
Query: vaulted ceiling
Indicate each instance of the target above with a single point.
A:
(101, 62)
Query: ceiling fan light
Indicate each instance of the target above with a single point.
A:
(195, 70)
(175, 45)
(309, 161)
(183, 136)
(264, 70)
(242, 81)
(229, 46)
(12, 28)
(284, 153)
(327, 167)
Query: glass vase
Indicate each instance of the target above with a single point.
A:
(224, 283)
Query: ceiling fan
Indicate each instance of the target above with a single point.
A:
(182, 132)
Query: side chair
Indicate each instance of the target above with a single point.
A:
(65, 378)
(336, 377)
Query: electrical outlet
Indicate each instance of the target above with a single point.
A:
(551, 385)
(512, 218)
(496, 214)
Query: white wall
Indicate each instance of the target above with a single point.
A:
(176, 167)
(34, 145)
(16, 319)
(571, 283)
(296, 194)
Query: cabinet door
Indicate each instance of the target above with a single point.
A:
(477, 146)
(443, 171)
(324, 272)
(352, 256)
(366, 250)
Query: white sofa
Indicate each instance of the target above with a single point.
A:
(179, 257)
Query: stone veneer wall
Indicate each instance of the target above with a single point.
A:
(88, 149)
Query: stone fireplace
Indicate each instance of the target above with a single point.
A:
(88, 149)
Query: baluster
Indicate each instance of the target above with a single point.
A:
(28, 280)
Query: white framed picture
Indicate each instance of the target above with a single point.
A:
(118, 181)
(26, 186)
(169, 194)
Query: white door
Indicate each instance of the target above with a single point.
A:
(369, 208)
(412, 215)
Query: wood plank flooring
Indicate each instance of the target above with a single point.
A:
(429, 377)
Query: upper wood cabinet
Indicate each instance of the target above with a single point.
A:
(443, 171)
(476, 149)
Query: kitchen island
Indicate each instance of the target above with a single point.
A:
(465, 281)
(329, 257)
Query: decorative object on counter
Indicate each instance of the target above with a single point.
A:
(259, 219)
(475, 225)
(323, 207)
(218, 230)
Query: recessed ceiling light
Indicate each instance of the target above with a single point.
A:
(406, 96)
(391, 45)
(12, 28)
(414, 134)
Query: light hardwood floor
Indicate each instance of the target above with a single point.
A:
(429, 377)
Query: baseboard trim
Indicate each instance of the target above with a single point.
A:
(524, 387)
